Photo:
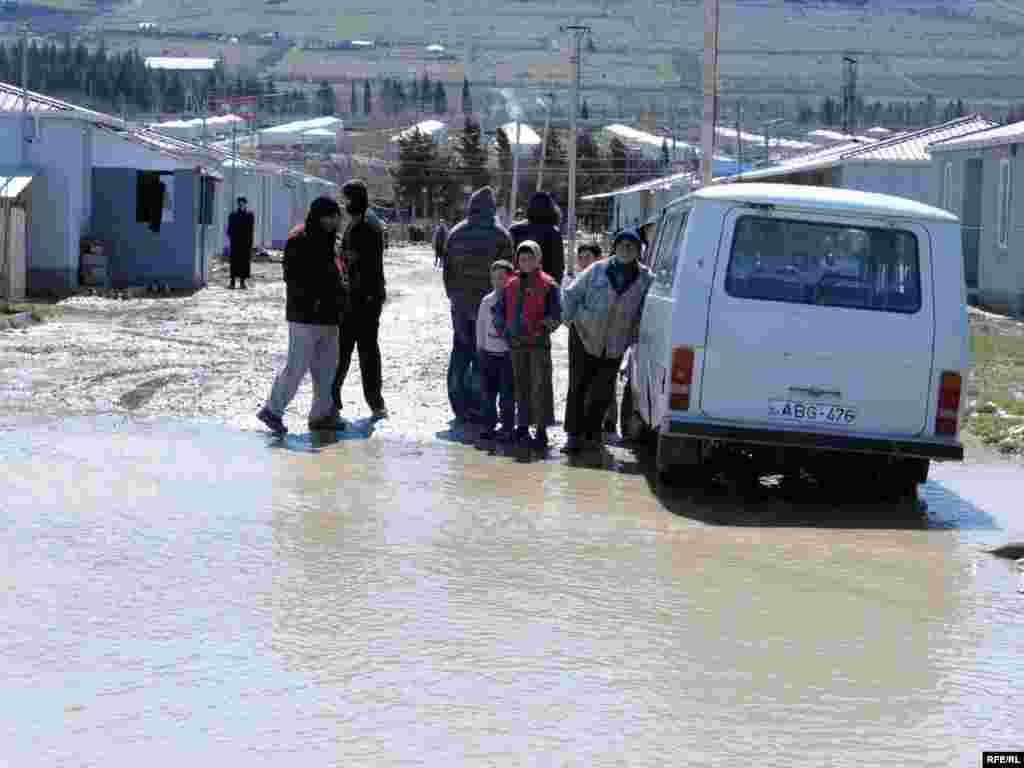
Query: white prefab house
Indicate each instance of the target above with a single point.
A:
(901, 165)
(976, 177)
(81, 177)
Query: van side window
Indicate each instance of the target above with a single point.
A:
(826, 264)
(668, 248)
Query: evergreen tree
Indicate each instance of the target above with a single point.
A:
(354, 102)
(504, 151)
(400, 101)
(326, 100)
(418, 169)
(585, 111)
(440, 99)
(367, 98)
(414, 93)
(467, 98)
(426, 92)
(666, 158)
(472, 156)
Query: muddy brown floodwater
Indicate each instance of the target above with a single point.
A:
(182, 588)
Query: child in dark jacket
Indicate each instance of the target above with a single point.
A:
(527, 313)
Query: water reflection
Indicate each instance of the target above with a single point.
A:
(179, 590)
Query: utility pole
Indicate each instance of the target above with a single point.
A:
(739, 137)
(849, 93)
(234, 163)
(24, 96)
(515, 175)
(710, 90)
(544, 139)
(578, 31)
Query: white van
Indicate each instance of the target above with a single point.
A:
(803, 325)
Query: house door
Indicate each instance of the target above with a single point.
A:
(971, 221)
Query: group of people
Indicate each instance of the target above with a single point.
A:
(508, 293)
(335, 293)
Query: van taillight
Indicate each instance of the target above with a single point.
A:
(948, 413)
(682, 378)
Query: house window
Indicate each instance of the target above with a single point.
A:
(1005, 197)
(947, 187)
(154, 197)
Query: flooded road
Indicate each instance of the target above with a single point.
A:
(182, 590)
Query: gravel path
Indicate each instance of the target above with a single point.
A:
(214, 354)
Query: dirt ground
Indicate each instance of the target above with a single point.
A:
(214, 354)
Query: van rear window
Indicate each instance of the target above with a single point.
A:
(825, 264)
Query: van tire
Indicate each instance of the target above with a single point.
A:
(678, 459)
(900, 480)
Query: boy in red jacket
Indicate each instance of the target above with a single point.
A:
(526, 314)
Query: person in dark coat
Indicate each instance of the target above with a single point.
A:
(473, 245)
(541, 226)
(362, 249)
(241, 226)
(314, 291)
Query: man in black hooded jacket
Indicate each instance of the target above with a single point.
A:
(542, 219)
(363, 256)
(314, 296)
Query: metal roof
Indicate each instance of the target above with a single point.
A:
(13, 183)
(913, 146)
(910, 147)
(823, 198)
(301, 126)
(187, 63)
(823, 158)
(664, 183)
(11, 101)
(755, 138)
(986, 137)
(526, 134)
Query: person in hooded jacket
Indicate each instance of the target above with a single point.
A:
(473, 245)
(362, 249)
(314, 291)
(541, 226)
(604, 303)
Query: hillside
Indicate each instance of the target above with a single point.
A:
(646, 52)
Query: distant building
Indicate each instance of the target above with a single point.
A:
(974, 177)
(900, 165)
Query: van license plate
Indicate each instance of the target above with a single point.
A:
(825, 413)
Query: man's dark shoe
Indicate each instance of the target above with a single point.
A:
(540, 441)
(242, 286)
(329, 424)
(231, 285)
(573, 445)
(485, 439)
(272, 421)
(505, 435)
(380, 413)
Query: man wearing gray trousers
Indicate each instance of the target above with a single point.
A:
(315, 298)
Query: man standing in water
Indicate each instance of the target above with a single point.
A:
(474, 244)
(314, 294)
(362, 251)
(241, 225)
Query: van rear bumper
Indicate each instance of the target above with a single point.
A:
(784, 438)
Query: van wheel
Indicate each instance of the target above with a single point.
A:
(900, 481)
(633, 428)
(678, 460)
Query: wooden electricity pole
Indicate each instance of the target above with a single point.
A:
(710, 89)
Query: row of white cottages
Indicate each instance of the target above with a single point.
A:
(70, 176)
(966, 166)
